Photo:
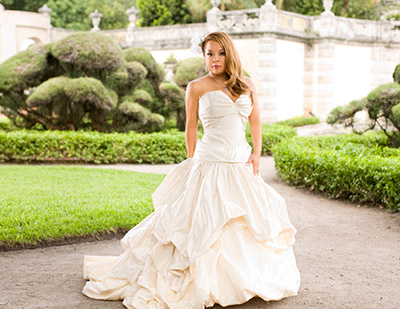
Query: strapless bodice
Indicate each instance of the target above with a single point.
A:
(224, 125)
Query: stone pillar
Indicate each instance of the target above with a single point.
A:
(95, 17)
(169, 68)
(325, 78)
(310, 80)
(132, 13)
(46, 11)
(267, 76)
(212, 16)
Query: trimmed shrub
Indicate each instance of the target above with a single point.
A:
(96, 147)
(271, 134)
(155, 70)
(92, 147)
(188, 69)
(299, 121)
(360, 168)
(88, 53)
(6, 124)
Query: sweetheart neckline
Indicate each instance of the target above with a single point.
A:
(234, 102)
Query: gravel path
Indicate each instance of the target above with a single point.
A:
(348, 256)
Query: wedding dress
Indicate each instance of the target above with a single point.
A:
(218, 234)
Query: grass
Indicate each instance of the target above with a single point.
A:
(40, 204)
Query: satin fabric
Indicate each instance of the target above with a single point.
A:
(218, 234)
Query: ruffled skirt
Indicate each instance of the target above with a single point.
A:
(218, 234)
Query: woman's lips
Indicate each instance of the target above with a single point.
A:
(216, 66)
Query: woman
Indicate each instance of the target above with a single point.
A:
(219, 233)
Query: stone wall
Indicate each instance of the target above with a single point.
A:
(300, 64)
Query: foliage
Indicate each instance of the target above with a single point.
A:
(75, 14)
(88, 54)
(396, 74)
(68, 100)
(95, 147)
(175, 101)
(25, 69)
(163, 12)
(383, 107)
(299, 121)
(362, 9)
(189, 69)
(71, 14)
(6, 124)
(360, 168)
(346, 114)
(271, 135)
(70, 202)
(23, 5)
(92, 147)
(79, 83)
(155, 71)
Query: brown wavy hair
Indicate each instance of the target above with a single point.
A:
(233, 66)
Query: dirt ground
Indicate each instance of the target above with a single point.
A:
(348, 256)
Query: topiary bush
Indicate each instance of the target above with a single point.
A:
(88, 54)
(271, 134)
(189, 69)
(299, 121)
(79, 82)
(361, 168)
(383, 107)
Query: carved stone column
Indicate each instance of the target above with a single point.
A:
(169, 68)
(132, 13)
(96, 17)
(267, 75)
(212, 16)
(46, 11)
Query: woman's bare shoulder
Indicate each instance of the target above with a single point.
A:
(199, 86)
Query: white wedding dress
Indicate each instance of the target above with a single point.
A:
(218, 234)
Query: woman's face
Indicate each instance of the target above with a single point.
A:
(215, 57)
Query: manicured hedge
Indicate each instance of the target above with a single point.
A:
(92, 147)
(360, 168)
(299, 121)
(95, 147)
(271, 135)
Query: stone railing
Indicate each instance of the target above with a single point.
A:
(268, 19)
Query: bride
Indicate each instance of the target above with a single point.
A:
(218, 233)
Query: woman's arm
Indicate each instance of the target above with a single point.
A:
(191, 102)
(255, 128)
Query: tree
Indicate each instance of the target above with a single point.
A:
(363, 9)
(163, 12)
(23, 5)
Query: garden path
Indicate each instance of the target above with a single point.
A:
(348, 256)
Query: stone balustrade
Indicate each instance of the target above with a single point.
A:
(300, 64)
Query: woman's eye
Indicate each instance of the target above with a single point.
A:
(209, 54)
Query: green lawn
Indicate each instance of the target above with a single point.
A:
(45, 203)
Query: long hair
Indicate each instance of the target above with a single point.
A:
(233, 66)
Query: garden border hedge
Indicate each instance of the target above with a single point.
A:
(359, 168)
(95, 147)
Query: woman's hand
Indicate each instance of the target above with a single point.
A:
(254, 159)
